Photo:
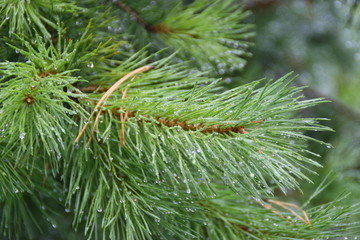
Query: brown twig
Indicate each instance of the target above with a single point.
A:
(107, 94)
(210, 129)
(45, 74)
(219, 128)
(287, 206)
(93, 88)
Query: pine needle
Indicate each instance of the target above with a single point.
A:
(108, 93)
(287, 206)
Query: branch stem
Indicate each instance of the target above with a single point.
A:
(108, 93)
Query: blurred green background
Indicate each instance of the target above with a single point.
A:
(320, 41)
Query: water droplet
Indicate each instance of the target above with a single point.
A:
(99, 210)
(338, 4)
(349, 44)
(228, 80)
(22, 135)
(67, 210)
(90, 65)
(54, 225)
(357, 56)
(188, 191)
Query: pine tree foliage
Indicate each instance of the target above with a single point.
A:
(24, 16)
(130, 143)
(211, 34)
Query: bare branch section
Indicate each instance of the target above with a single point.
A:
(219, 128)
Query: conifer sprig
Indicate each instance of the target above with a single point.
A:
(194, 160)
(221, 215)
(198, 29)
(244, 131)
(23, 17)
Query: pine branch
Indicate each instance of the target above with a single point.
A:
(159, 28)
(198, 29)
(250, 119)
(195, 160)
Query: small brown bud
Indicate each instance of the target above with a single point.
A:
(29, 99)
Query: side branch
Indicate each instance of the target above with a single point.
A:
(136, 16)
(210, 129)
(127, 113)
(158, 28)
(219, 128)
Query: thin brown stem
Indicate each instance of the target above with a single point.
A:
(93, 88)
(287, 206)
(209, 129)
(108, 93)
(158, 28)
